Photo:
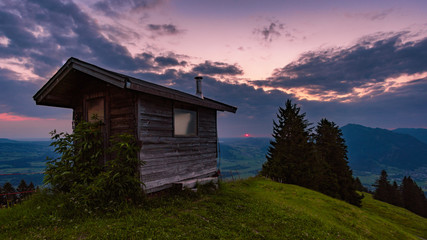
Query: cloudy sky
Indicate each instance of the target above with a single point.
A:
(359, 62)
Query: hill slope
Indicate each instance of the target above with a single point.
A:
(250, 209)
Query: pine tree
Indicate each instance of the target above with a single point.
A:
(10, 198)
(290, 155)
(396, 196)
(383, 186)
(2, 197)
(413, 197)
(386, 192)
(22, 187)
(337, 180)
(31, 187)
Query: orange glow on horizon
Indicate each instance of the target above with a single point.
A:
(246, 135)
(373, 88)
(9, 117)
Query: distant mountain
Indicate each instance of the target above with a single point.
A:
(369, 150)
(419, 133)
(5, 140)
(374, 149)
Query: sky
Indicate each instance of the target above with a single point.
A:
(362, 62)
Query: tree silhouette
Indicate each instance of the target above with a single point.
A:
(2, 197)
(10, 198)
(395, 195)
(413, 197)
(383, 188)
(337, 177)
(409, 195)
(22, 187)
(31, 187)
(290, 154)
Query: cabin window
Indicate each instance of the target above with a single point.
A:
(95, 107)
(185, 122)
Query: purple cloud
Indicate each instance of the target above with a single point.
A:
(273, 31)
(371, 61)
(213, 68)
(164, 29)
(114, 8)
(373, 16)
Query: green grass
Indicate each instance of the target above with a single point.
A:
(248, 209)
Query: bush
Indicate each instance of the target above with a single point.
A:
(82, 173)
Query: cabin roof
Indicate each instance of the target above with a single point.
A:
(60, 89)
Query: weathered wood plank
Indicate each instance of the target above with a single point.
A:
(171, 140)
(168, 158)
(208, 157)
(172, 179)
(168, 171)
(183, 166)
(197, 181)
(152, 117)
(120, 111)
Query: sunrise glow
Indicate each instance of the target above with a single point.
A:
(10, 117)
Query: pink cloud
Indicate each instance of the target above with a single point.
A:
(10, 117)
(19, 127)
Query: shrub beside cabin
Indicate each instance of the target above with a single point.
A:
(177, 131)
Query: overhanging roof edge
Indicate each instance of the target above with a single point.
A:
(122, 81)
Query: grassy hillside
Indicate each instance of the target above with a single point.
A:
(247, 209)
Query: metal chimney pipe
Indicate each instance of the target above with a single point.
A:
(199, 86)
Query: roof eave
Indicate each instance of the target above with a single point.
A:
(75, 64)
(121, 81)
(161, 91)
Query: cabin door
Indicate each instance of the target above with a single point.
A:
(95, 111)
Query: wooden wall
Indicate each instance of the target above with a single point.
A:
(170, 159)
(120, 107)
(121, 110)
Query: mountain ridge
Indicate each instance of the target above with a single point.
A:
(372, 148)
(419, 133)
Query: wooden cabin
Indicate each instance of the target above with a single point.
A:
(177, 131)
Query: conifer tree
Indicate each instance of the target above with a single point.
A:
(396, 196)
(31, 187)
(337, 177)
(10, 198)
(386, 192)
(383, 186)
(22, 187)
(2, 197)
(290, 154)
(413, 197)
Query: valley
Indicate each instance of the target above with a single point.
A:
(401, 152)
